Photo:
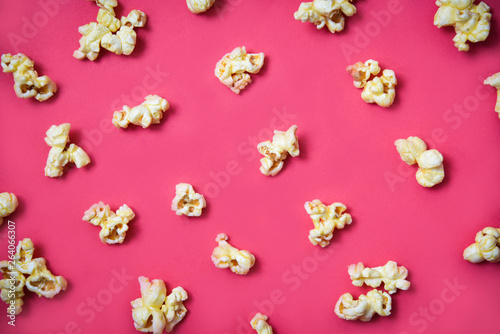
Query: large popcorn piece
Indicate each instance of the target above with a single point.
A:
(365, 307)
(59, 154)
(486, 246)
(326, 12)
(259, 323)
(148, 112)
(494, 81)
(187, 201)
(155, 311)
(326, 219)
(390, 274)
(114, 226)
(199, 6)
(234, 68)
(27, 83)
(275, 152)
(8, 204)
(227, 256)
(471, 22)
(430, 162)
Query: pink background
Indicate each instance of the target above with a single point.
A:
(208, 139)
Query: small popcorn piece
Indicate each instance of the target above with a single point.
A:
(361, 73)
(486, 246)
(135, 18)
(365, 307)
(494, 81)
(326, 219)
(24, 256)
(275, 152)
(148, 112)
(326, 12)
(114, 227)
(43, 282)
(227, 256)
(232, 70)
(187, 201)
(107, 19)
(199, 6)
(90, 42)
(259, 323)
(381, 89)
(390, 274)
(11, 274)
(108, 5)
(8, 204)
(174, 309)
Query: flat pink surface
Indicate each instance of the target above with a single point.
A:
(208, 139)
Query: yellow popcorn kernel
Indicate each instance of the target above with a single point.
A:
(148, 112)
(114, 227)
(361, 73)
(199, 6)
(135, 18)
(381, 89)
(12, 277)
(227, 256)
(259, 323)
(390, 274)
(232, 70)
(486, 246)
(494, 81)
(77, 156)
(108, 19)
(43, 282)
(326, 12)
(187, 201)
(8, 204)
(365, 307)
(275, 152)
(326, 219)
(174, 309)
(108, 5)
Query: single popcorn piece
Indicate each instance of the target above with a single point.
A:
(187, 201)
(12, 277)
(361, 73)
(174, 309)
(390, 274)
(326, 12)
(494, 81)
(326, 219)
(199, 6)
(114, 227)
(43, 282)
(8, 204)
(365, 307)
(471, 22)
(486, 246)
(259, 323)
(27, 83)
(227, 256)
(148, 112)
(232, 70)
(275, 152)
(430, 162)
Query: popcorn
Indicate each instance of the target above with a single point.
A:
(326, 12)
(187, 201)
(394, 277)
(232, 70)
(494, 81)
(43, 282)
(430, 162)
(114, 227)
(326, 219)
(174, 308)
(365, 307)
(8, 204)
(486, 246)
(471, 22)
(24, 256)
(361, 73)
(259, 323)
(27, 83)
(275, 152)
(148, 112)
(225, 255)
(9, 274)
(199, 6)
(57, 138)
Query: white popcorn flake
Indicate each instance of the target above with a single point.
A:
(275, 152)
(259, 323)
(494, 81)
(8, 204)
(329, 13)
(187, 201)
(114, 226)
(326, 219)
(365, 307)
(148, 112)
(199, 6)
(486, 246)
(227, 256)
(392, 275)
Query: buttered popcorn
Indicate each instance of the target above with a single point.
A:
(234, 68)
(148, 112)
(365, 307)
(187, 201)
(329, 13)
(392, 275)
(275, 152)
(259, 323)
(486, 246)
(11, 274)
(326, 219)
(494, 81)
(471, 22)
(114, 226)
(27, 83)
(199, 6)
(227, 256)
(430, 162)
(8, 204)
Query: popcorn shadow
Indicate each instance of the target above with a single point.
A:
(159, 127)
(303, 143)
(132, 231)
(140, 46)
(219, 8)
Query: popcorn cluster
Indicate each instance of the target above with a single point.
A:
(494, 81)
(326, 12)
(486, 246)
(117, 36)
(199, 6)
(187, 201)
(326, 219)
(365, 307)
(148, 112)
(27, 83)
(114, 226)
(471, 22)
(430, 162)
(259, 323)
(59, 155)
(378, 89)
(8, 204)
(275, 152)
(234, 68)
(40, 280)
(390, 274)
(227, 256)
(155, 311)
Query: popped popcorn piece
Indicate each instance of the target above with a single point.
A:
(108, 5)
(275, 152)
(24, 256)
(43, 282)
(199, 6)
(361, 73)
(12, 277)
(27, 83)
(494, 81)
(232, 70)
(471, 22)
(114, 227)
(326, 219)
(390, 274)
(486, 246)
(326, 12)
(365, 307)
(8, 204)
(259, 323)
(148, 112)
(108, 19)
(174, 308)
(227, 256)
(430, 162)
(187, 201)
